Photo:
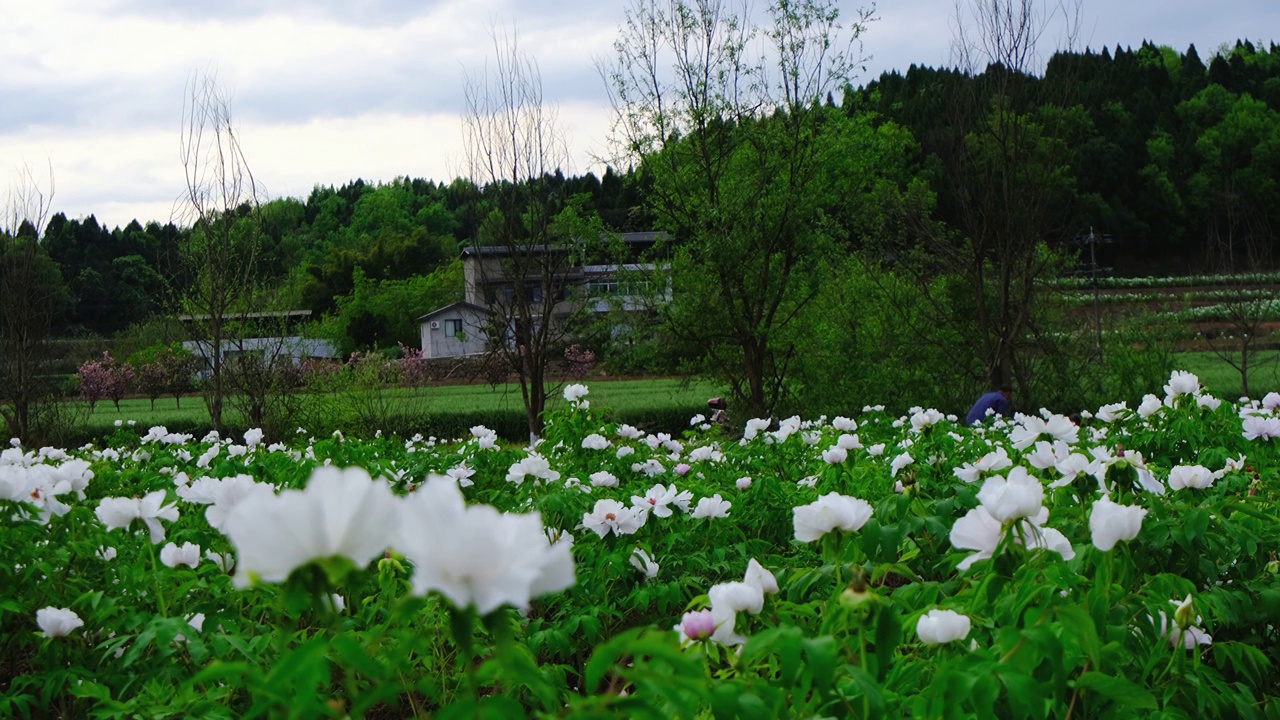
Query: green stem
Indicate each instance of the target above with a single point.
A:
(862, 663)
(155, 576)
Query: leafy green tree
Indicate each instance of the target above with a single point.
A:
(741, 162)
(1234, 194)
(34, 299)
(1010, 194)
(378, 315)
(137, 288)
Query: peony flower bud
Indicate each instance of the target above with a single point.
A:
(698, 625)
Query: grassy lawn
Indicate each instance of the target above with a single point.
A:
(1224, 381)
(613, 394)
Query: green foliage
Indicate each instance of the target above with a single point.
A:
(1048, 633)
(379, 314)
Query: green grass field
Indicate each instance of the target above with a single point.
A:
(633, 395)
(1224, 381)
(613, 394)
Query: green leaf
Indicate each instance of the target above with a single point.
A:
(1195, 522)
(606, 655)
(352, 654)
(1078, 625)
(888, 635)
(1025, 696)
(821, 656)
(1124, 692)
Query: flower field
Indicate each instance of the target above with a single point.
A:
(861, 566)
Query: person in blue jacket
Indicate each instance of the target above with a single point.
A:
(997, 400)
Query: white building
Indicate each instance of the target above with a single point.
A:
(456, 330)
(460, 329)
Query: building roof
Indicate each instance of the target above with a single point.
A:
(464, 305)
(631, 238)
(232, 315)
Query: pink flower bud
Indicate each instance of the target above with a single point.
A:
(744, 483)
(698, 625)
(681, 469)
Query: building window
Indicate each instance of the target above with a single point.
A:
(602, 288)
(452, 328)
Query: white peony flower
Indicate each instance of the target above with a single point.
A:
(848, 442)
(1029, 428)
(1071, 466)
(604, 478)
(253, 437)
(1110, 523)
(938, 627)
(754, 427)
(611, 516)
(115, 513)
(119, 513)
(899, 463)
(712, 507)
(1181, 383)
(535, 465)
(1150, 406)
(461, 474)
(977, 531)
(923, 419)
(835, 455)
(340, 513)
(727, 600)
(57, 622)
(475, 555)
(1113, 412)
(641, 561)
(1231, 465)
(225, 562)
(657, 500)
(1195, 477)
(1259, 428)
(830, 512)
(595, 441)
(993, 461)
(226, 493)
(737, 596)
(706, 452)
(574, 393)
(1017, 496)
(172, 556)
(758, 577)
(629, 432)
(1209, 402)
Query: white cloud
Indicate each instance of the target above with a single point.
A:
(325, 91)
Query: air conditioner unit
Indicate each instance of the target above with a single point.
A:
(435, 325)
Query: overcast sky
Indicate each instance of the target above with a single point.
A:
(326, 91)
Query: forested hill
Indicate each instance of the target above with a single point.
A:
(318, 248)
(1165, 153)
(1161, 151)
